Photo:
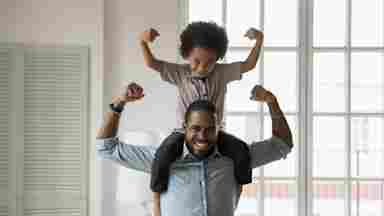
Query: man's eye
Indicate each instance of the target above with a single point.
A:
(195, 128)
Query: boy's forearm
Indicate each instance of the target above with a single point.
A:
(149, 59)
(255, 52)
(253, 56)
(156, 204)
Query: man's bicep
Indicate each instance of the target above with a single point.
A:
(268, 151)
(131, 156)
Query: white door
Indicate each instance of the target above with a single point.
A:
(48, 131)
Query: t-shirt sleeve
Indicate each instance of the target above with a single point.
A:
(171, 72)
(230, 71)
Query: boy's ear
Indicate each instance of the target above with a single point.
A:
(184, 125)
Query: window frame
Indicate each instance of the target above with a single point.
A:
(305, 50)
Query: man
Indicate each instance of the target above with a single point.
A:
(202, 181)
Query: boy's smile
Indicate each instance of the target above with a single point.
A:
(202, 61)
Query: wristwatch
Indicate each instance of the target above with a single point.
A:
(117, 108)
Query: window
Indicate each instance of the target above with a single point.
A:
(323, 59)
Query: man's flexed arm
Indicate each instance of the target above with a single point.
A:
(130, 93)
(280, 144)
(147, 37)
(280, 127)
(108, 146)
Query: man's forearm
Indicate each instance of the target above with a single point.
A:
(280, 127)
(110, 126)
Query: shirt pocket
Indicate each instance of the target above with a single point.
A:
(180, 178)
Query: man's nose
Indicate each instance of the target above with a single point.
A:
(202, 135)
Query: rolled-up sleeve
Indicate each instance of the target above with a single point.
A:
(268, 151)
(131, 156)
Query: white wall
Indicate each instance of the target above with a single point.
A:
(58, 22)
(124, 21)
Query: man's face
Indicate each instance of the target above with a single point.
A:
(202, 61)
(201, 132)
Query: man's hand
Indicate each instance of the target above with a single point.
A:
(259, 93)
(131, 92)
(149, 35)
(254, 34)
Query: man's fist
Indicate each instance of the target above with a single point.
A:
(253, 34)
(149, 35)
(260, 94)
(131, 92)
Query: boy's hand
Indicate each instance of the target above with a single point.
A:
(149, 35)
(260, 94)
(254, 34)
(130, 93)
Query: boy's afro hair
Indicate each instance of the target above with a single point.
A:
(203, 35)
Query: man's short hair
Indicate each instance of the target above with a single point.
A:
(200, 105)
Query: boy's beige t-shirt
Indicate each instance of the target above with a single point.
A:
(190, 88)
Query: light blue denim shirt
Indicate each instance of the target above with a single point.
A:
(196, 187)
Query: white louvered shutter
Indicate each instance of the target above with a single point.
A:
(43, 131)
(55, 132)
(5, 193)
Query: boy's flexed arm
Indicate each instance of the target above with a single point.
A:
(251, 61)
(147, 37)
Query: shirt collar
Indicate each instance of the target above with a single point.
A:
(194, 76)
(187, 154)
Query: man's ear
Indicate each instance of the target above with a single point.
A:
(184, 125)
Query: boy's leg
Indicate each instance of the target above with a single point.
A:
(156, 204)
(238, 151)
(167, 153)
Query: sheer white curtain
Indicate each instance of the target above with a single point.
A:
(126, 191)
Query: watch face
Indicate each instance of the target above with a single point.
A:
(116, 108)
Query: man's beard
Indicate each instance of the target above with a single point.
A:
(201, 156)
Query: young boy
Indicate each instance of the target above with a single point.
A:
(202, 45)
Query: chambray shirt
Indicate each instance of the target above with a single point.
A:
(196, 187)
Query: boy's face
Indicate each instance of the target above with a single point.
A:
(202, 61)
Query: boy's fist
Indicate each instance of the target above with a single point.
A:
(259, 93)
(149, 35)
(253, 34)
